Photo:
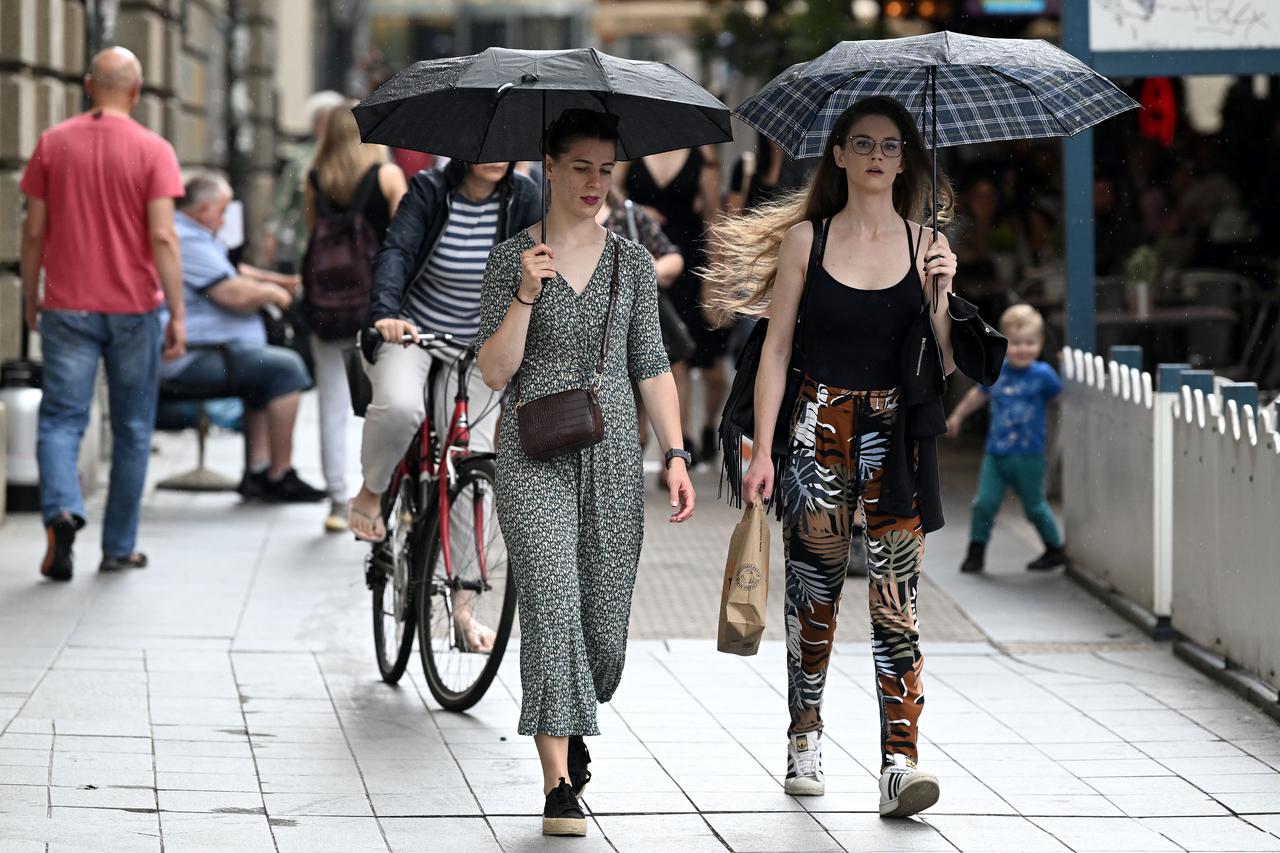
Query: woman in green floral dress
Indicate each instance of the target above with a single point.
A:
(574, 523)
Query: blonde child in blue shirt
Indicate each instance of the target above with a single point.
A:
(1015, 451)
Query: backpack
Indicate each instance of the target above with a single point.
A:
(337, 270)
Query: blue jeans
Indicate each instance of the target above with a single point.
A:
(262, 373)
(129, 345)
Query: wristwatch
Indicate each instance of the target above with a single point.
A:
(677, 452)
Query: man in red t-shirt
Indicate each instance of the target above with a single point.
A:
(100, 194)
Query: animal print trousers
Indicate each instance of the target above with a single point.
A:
(839, 443)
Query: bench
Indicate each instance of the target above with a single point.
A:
(200, 478)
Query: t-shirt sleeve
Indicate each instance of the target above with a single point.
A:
(165, 178)
(34, 177)
(1050, 382)
(204, 265)
(501, 280)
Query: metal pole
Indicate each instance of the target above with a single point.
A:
(543, 184)
(1079, 300)
(933, 102)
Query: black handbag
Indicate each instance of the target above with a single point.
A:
(677, 340)
(358, 382)
(977, 347)
(738, 420)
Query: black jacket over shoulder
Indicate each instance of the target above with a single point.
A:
(911, 467)
(420, 220)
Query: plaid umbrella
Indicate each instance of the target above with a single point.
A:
(962, 89)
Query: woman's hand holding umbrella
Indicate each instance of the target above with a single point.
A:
(537, 265)
(939, 265)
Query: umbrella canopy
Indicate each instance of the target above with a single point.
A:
(493, 106)
(962, 89)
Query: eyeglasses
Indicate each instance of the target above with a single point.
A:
(864, 145)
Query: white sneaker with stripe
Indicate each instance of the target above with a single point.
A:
(904, 790)
(804, 766)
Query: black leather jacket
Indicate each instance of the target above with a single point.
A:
(911, 466)
(419, 222)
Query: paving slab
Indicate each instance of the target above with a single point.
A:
(226, 699)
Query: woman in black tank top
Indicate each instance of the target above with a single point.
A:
(842, 266)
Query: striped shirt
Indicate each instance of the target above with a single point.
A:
(446, 297)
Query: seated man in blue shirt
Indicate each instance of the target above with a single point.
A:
(222, 305)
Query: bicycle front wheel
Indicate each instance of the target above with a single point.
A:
(467, 602)
(391, 580)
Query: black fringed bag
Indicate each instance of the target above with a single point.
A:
(738, 420)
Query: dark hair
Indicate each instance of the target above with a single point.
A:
(576, 124)
(829, 190)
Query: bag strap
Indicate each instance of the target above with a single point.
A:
(608, 317)
(816, 251)
(364, 190)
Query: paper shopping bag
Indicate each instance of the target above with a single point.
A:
(746, 584)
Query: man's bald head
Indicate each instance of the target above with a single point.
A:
(114, 78)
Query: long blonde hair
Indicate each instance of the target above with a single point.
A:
(342, 159)
(744, 248)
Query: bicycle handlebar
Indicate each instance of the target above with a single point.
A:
(426, 340)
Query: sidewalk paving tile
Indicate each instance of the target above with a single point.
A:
(1090, 835)
(1211, 834)
(328, 835)
(454, 834)
(233, 688)
(871, 832)
(780, 833)
(659, 833)
(995, 834)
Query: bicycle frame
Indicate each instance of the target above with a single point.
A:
(434, 465)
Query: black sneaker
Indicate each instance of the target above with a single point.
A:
(857, 565)
(695, 457)
(975, 560)
(562, 814)
(290, 489)
(61, 536)
(1052, 558)
(579, 758)
(710, 444)
(136, 560)
(254, 486)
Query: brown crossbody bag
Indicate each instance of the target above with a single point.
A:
(569, 420)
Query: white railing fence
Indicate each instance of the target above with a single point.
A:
(1171, 492)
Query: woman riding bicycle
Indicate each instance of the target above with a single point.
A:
(573, 522)
(427, 278)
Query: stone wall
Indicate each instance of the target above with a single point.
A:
(215, 118)
(185, 47)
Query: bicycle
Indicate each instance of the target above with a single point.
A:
(441, 571)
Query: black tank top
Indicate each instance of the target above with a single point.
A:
(853, 337)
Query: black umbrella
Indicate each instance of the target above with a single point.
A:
(493, 106)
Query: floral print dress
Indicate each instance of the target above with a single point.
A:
(573, 524)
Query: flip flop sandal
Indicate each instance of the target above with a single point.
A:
(376, 522)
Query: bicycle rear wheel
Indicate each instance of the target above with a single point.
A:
(391, 576)
(465, 616)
